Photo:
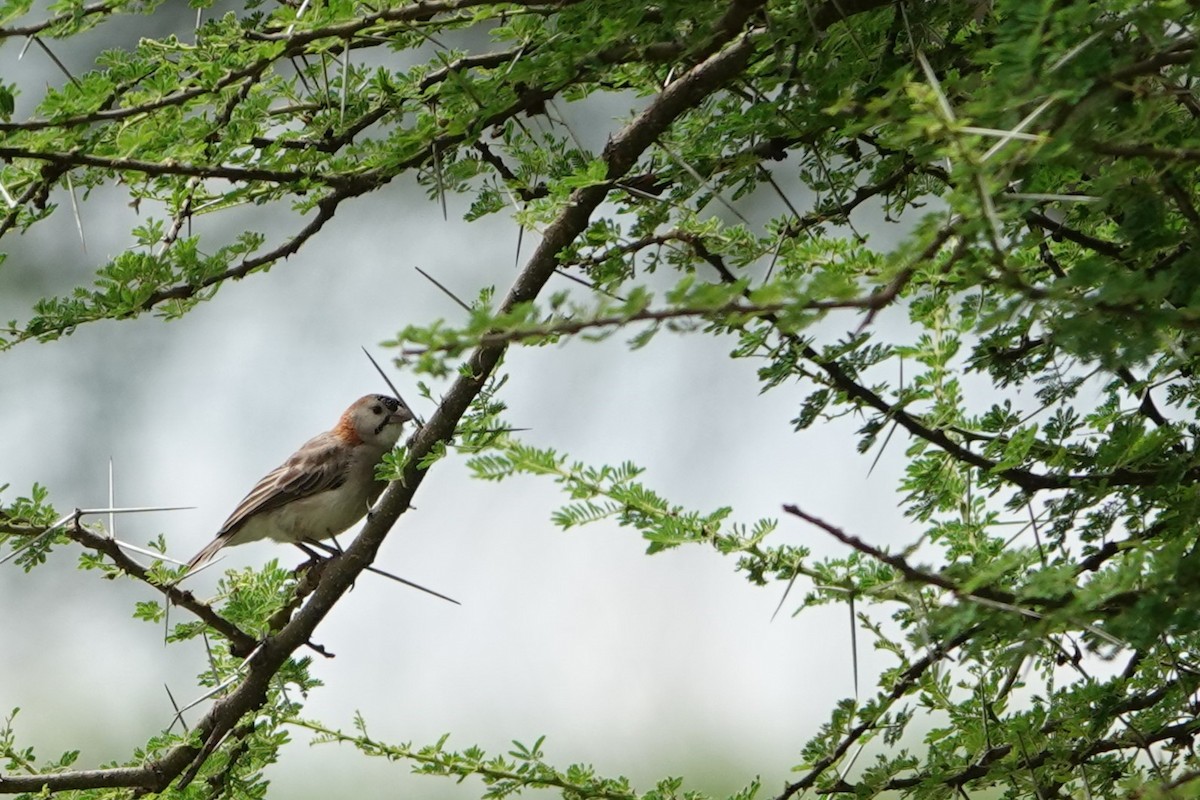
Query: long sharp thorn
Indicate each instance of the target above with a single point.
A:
(886, 439)
(299, 14)
(112, 503)
(786, 591)
(449, 293)
(437, 173)
(383, 374)
(178, 713)
(151, 553)
(854, 646)
(332, 552)
(588, 284)
(345, 82)
(75, 212)
(212, 663)
(210, 693)
(196, 570)
(83, 512)
(22, 548)
(417, 586)
(392, 386)
(237, 673)
(56, 61)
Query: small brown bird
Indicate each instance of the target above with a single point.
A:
(324, 487)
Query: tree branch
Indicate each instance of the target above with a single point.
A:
(73, 159)
(568, 327)
(983, 764)
(620, 155)
(982, 767)
(903, 685)
(241, 643)
(96, 9)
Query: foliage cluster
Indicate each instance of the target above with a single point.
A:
(1039, 154)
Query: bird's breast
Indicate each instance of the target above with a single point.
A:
(327, 513)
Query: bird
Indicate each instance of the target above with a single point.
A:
(324, 487)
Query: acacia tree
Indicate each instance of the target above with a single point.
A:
(1043, 157)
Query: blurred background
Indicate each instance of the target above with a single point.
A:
(641, 666)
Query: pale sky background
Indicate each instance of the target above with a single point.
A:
(642, 666)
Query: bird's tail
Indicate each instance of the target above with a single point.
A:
(208, 552)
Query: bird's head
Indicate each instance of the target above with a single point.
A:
(375, 419)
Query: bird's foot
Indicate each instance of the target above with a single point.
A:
(314, 559)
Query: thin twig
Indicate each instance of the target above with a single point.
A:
(984, 596)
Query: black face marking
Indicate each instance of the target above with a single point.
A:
(391, 402)
(392, 405)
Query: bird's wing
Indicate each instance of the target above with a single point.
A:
(316, 467)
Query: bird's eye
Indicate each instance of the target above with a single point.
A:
(376, 409)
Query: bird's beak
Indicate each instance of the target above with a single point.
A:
(401, 415)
